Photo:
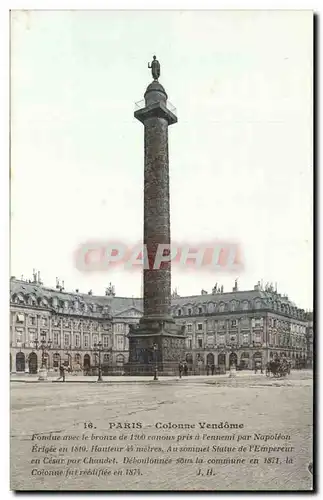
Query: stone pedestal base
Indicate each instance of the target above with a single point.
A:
(155, 342)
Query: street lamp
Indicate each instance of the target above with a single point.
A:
(44, 346)
(98, 348)
(155, 349)
(69, 355)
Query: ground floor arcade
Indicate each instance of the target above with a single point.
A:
(82, 361)
(199, 360)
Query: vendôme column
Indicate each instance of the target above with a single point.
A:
(157, 337)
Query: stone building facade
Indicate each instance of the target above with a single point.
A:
(309, 340)
(220, 328)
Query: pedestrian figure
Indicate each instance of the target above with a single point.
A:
(207, 369)
(61, 373)
(185, 369)
(180, 369)
(212, 368)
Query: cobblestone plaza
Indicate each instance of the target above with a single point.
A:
(265, 406)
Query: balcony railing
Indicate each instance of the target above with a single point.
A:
(142, 104)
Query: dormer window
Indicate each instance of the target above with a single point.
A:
(179, 312)
(32, 300)
(200, 310)
(190, 312)
(21, 298)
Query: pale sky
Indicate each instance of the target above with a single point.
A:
(241, 162)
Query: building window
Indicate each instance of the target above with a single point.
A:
(233, 323)
(246, 338)
(105, 339)
(244, 323)
(120, 343)
(200, 326)
(245, 306)
(200, 310)
(32, 320)
(20, 318)
(66, 339)
(77, 340)
(106, 358)
(95, 339)
(189, 312)
(189, 328)
(258, 322)
(179, 312)
(221, 339)
(31, 337)
(44, 321)
(189, 342)
(258, 337)
(56, 338)
(200, 343)
(86, 341)
(210, 340)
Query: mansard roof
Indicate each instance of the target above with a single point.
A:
(119, 304)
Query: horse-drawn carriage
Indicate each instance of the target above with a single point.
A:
(278, 368)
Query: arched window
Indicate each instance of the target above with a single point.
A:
(245, 305)
(232, 305)
(78, 358)
(211, 307)
(179, 312)
(120, 360)
(20, 362)
(56, 360)
(222, 307)
(258, 304)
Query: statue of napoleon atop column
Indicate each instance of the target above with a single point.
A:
(155, 68)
